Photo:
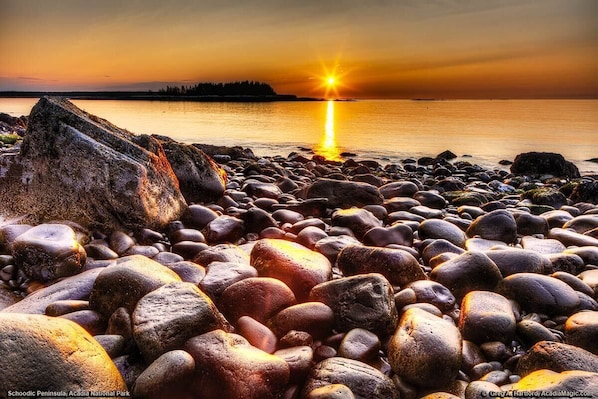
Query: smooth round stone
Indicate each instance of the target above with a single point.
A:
(77, 287)
(258, 297)
(428, 291)
(430, 199)
(316, 318)
(540, 294)
(125, 283)
(273, 232)
(52, 354)
(222, 253)
(167, 317)
(495, 351)
(426, 212)
(545, 246)
(574, 282)
(188, 249)
(398, 266)
(441, 229)
(556, 356)
(531, 332)
(568, 263)
(363, 301)
(364, 381)
(258, 189)
(481, 389)
(377, 210)
(300, 360)
(581, 329)
(437, 247)
(399, 189)
(265, 203)
(9, 233)
(257, 334)
(287, 216)
(224, 229)
(48, 251)
(167, 258)
(120, 241)
(331, 246)
(483, 245)
(332, 391)
(220, 275)
(356, 219)
(114, 345)
(589, 254)
(359, 344)
(497, 225)
(571, 238)
(404, 216)
(187, 235)
(100, 251)
(582, 223)
(91, 321)
(440, 395)
(166, 376)
(189, 272)
(472, 356)
(120, 323)
(286, 184)
(473, 211)
(296, 228)
(198, 216)
(227, 366)
(297, 266)
(471, 271)
(511, 261)
(590, 277)
(425, 350)
(557, 218)
(486, 316)
(528, 224)
(547, 382)
(310, 235)
(145, 250)
(398, 233)
(64, 306)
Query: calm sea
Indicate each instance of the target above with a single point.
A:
(481, 131)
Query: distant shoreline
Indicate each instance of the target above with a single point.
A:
(153, 96)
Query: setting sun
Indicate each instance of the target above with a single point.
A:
(331, 81)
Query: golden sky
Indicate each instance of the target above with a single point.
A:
(378, 48)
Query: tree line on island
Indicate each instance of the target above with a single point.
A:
(244, 88)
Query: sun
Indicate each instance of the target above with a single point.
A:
(331, 81)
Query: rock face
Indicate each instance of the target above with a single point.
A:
(75, 166)
(543, 163)
(52, 354)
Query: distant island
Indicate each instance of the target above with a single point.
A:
(245, 91)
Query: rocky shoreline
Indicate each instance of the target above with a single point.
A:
(135, 263)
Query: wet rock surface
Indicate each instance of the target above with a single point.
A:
(309, 278)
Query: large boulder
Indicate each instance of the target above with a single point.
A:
(543, 163)
(52, 354)
(76, 166)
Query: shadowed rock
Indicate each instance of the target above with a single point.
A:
(543, 163)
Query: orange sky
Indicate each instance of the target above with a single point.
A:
(379, 48)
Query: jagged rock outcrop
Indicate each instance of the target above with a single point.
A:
(76, 166)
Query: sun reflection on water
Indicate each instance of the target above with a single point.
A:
(327, 147)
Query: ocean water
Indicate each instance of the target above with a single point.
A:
(480, 131)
